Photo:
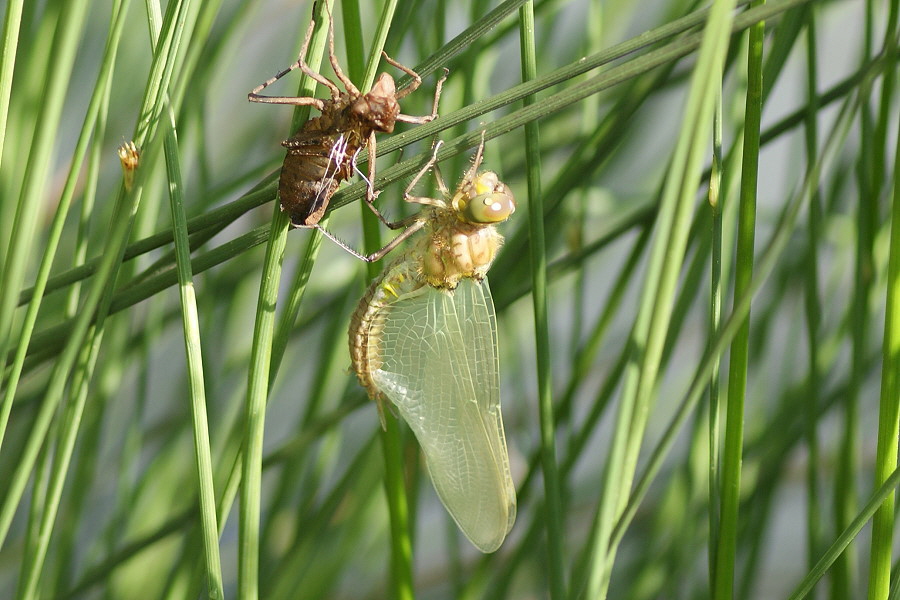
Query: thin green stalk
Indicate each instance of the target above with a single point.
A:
(728, 332)
(8, 49)
(101, 91)
(381, 33)
(32, 567)
(845, 571)
(371, 226)
(813, 305)
(56, 83)
(353, 40)
(879, 496)
(260, 360)
(576, 231)
(96, 304)
(193, 353)
(867, 216)
(889, 410)
(553, 504)
(87, 354)
(400, 506)
(648, 335)
(254, 418)
(295, 300)
(739, 357)
(886, 108)
(715, 198)
(67, 537)
(32, 537)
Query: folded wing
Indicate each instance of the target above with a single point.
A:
(439, 367)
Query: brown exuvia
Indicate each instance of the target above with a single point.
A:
(323, 152)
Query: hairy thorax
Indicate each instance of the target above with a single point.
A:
(452, 249)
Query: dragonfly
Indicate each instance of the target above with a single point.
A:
(424, 337)
(323, 152)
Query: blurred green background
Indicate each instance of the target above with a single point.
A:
(663, 444)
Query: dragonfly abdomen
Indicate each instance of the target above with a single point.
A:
(367, 324)
(313, 169)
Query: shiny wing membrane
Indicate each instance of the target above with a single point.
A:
(439, 367)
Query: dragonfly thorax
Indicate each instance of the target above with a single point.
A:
(452, 250)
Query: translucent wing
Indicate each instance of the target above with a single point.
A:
(439, 367)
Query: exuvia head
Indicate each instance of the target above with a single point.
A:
(379, 108)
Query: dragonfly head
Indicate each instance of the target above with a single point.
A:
(379, 108)
(487, 200)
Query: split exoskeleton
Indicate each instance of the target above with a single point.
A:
(323, 152)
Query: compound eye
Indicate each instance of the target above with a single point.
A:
(493, 203)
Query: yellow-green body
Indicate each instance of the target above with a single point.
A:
(424, 336)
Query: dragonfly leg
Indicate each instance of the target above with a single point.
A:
(476, 162)
(434, 106)
(379, 254)
(255, 96)
(394, 225)
(407, 195)
(442, 186)
(335, 65)
(340, 242)
(379, 402)
(371, 193)
(416, 82)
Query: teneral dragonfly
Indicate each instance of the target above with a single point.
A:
(424, 337)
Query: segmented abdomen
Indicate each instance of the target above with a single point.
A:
(367, 322)
(317, 161)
